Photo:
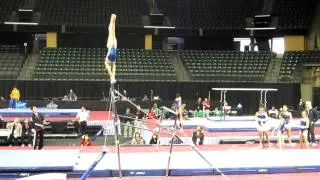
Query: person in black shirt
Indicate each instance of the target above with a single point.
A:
(313, 117)
(38, 123)
(72, 96)
(199, 104)
(154, 139)
(198, 136)
(301, 106)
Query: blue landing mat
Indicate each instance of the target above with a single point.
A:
(251, 161)
(231, 126)
(38, 160)
(44, 111)
(187, 163)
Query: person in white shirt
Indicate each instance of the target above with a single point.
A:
(15, 131)
(83, 116)
(263, 128)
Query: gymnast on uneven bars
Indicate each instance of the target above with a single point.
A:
(110, 60)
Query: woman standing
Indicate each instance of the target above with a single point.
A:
(304, 125)
(263, 128)
(38, 122)
(286, 117)
(178, 103)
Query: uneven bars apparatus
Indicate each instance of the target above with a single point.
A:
(263, 93)
(174, 135)
(172, 138)
(116, 126)
(223, 95)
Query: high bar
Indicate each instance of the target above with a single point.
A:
(244, 89)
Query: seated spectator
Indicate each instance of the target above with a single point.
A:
(198, 112)
(152, 114)
(72, 96)
(157, 110)
(145, 98)
(137, 139)
(52, 105)
(65, 98)
(154, 139)
(2, 100)
(15, 131)
(85, 140)
(26, 136)
(198, 136)
(216, 112)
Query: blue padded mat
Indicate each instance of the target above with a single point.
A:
(249, 161)
(34, 160)
(230, 126)
(44, 111)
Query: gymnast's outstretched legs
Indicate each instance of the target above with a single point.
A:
(110, 60)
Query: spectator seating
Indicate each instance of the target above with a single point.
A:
(9, 48)
(88, 64)
(145, 65)
(91, 13)
(70, 63)
(208, 14)
(226, 65)
(186, 14)
(231, 15)
(310, 58)
(6, 8)
(292, 59)
(294, 14)
(11, 61)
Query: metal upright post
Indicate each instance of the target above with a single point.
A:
(116, 127)
(224, 101)
(265, 98)
(158, 139)
(221, 104)
(171, 147)
(261, 100)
